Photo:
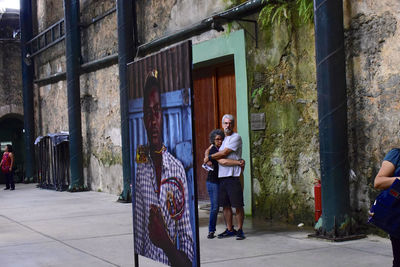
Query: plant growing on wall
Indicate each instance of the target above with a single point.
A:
(278, 10)
(257, 92)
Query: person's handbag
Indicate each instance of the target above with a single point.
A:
(385, 212)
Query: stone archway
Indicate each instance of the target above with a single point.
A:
(11, 109)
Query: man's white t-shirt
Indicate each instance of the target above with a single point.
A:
(234, 143)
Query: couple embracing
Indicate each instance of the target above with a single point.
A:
(223, 181)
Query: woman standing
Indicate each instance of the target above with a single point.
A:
(388, 173)
(216, 138)
(6, 164)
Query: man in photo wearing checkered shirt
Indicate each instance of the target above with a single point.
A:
(162, 226)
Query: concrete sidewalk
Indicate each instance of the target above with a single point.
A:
(48, 228)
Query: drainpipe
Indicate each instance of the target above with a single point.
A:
(332, 113)
(27, 88)
(126, 52)
(213, 22)
(73, 46)
(205, 25)
(85, 68)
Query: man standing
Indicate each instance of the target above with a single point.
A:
(162, 226)
(231, 192)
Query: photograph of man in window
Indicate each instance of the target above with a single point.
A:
(162, 226)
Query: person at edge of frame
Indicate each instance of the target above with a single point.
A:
(162, 225)
(387, 174)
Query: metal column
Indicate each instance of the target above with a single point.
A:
(332, 113)
(73, 46)
(27, 88)
(126, 52)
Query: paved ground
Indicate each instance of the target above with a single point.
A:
(48, 228)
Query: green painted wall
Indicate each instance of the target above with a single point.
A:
(233, 44)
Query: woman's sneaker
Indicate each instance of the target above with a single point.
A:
(240, 235)
(227, 233)
(210, 235)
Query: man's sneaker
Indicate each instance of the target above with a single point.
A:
(210, 235)
(240, 235)
(227, 233)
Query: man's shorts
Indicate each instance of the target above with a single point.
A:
(230, 192)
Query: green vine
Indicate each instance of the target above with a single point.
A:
(257, 92)
(275, 11)
(306, 10)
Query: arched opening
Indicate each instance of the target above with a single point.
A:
(11, 132)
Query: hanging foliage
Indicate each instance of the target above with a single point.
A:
(278, 10)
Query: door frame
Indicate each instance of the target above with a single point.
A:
(232, 44)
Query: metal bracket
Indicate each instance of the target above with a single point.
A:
(254, 37)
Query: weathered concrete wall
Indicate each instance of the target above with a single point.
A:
(101, 129)
(51, 110)
(48, 13)
(99, 93)
(10, 77)
(373, 79)
(285, 156)
(100, 89)
(170, 16)
(100, 101)
(282, 83)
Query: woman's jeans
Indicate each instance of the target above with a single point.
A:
(213, 189)
(9, 180)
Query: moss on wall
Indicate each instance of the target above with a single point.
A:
(285, 159)
(108, 157)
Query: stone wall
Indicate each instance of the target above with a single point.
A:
(99, 92)
(100, 89)
(373, 81)
(170, 16)
(10, 76)
(281, 84)
(285, 156)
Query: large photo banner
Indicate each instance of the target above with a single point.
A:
(160, 129)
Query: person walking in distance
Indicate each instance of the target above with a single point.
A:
(7, 163)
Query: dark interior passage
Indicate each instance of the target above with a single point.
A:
(11, 131)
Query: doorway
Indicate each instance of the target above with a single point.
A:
(231, 46)
(215, 95)
(11, 132)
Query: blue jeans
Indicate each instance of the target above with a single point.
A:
(213, 189)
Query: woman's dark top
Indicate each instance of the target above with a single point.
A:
(213, 175)
(393, 156)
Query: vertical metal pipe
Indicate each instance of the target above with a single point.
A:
(27, 88)
(332, 113)
(126, 52)
(73, 47)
